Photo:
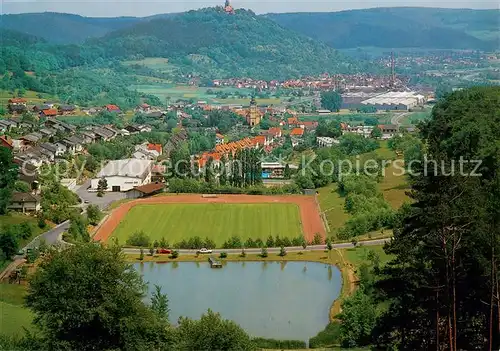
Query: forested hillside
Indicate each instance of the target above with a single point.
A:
(207, 43)
(399, 28)
(215, 43)
(64, 28)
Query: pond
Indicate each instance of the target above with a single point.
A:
(280, 300)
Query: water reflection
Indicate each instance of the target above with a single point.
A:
(266, 299)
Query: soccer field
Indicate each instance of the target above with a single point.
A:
(219, 222)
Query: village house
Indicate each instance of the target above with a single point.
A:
(143, 108)
(51, 112)
(62, 148)
(73, 144)
(17, 109)
(17, 102)
(103, 134)
(327, 141)
(158, 173)
(113, 108)
(50, 104)
(388, 130)
(6, 125)
(219, 139)
(87, 137)
(25, 202)
(58, 125)
(51, 148)
(32, 138)
(40, 108)
(67, 110)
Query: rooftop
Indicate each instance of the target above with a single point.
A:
(130, 167)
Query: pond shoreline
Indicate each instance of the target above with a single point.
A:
(334, 258)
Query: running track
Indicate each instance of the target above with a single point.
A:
(310, 217)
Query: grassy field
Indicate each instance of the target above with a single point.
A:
(157, 63)
(31, 96)
(332, 204)
(177, 222)
(13, 315)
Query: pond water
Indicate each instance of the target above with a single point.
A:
(281, 300)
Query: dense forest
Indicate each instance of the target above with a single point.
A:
(380, 27)
(399, 28)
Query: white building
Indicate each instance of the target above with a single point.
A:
(326, 141)
(123, 175)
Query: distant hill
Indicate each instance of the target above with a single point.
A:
(15, 38)
(399, 28)
(63, 28)
(211, 41)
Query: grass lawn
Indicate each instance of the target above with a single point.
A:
(359, 255)
(332, 204)
(31, 96)
(177, 222)
(13, 315)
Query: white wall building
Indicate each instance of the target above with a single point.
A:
(123, 175)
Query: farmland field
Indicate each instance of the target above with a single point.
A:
(217, 221)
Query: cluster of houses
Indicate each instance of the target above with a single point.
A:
(19, 106)
(322, 82)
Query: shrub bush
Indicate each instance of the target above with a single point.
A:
(328, 337)
(139, 239)
(223, 255)
(174, 255)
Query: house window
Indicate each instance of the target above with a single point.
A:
(116, 189)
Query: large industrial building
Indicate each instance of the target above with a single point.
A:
(123, 175)
(392, 101)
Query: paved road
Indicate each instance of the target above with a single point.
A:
(92, 198)
(52, 236)
(276, 249)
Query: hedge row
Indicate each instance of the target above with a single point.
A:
(193, 186)
(279, 344)
(141, 239)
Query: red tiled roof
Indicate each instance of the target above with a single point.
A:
(156, 147)
(17, 100)
(149, 188)
(275, 131)
(293, 120)
(297, 132)
(220, 136)
(112, 108)
(50, 112)
(259, 140)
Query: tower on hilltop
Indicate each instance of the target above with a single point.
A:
(228, 8)
(253, 115)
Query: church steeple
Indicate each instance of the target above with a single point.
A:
(253, 116)
(228, 8)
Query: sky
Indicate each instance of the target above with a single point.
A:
(115, 8)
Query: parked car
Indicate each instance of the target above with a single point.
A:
(204, 251)
(164, 251)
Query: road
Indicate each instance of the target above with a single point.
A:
(52, 236)
(275, 249)
(396, 119)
